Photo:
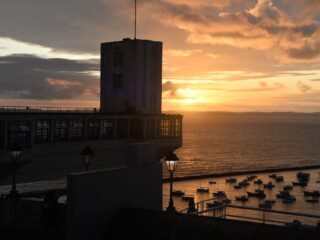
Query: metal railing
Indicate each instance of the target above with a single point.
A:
(201, 208)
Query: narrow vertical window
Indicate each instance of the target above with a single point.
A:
(118, 59)
(117, 81)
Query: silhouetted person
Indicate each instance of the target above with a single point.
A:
(192, 207)
(51, 209)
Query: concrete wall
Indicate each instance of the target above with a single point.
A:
(51, 160)
(57, 160)
(141, 72)
(94, 196)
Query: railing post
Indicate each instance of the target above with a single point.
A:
(51, 130)
(225, 207)
(6, 133)
(115, 124)
(263, 216)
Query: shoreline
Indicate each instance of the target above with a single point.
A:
(216, 175)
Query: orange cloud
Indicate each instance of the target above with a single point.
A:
(263, 27)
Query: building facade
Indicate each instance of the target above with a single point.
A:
(52, 141)
(131, 77)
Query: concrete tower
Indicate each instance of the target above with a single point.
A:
(131, 77)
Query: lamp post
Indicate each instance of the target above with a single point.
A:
(88, 155)
(171, 160)
(15, 153)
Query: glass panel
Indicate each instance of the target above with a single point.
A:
(42, 133)
(107, 126)
(164, 128)
(76, 127)
(177, 128)
(60, 130)
(93, 129)
(19, 133)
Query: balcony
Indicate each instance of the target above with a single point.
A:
(29, 126)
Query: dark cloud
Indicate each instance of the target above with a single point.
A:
(73, 25)
(305, 30)
(169, 86)
(307, 52)
(31, 77)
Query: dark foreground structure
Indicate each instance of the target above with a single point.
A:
(129, 223)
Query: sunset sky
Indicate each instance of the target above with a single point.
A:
(219, 55)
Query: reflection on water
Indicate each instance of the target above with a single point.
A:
(219, 143)
(300, 206)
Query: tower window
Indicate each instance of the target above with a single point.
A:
(118, 59)
(117, 81)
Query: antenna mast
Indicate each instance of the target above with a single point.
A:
(135, 19)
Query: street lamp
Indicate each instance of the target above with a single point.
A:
(88, 155)
(15, 153)
(171, 160)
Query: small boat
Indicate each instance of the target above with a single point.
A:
(244, 183)
(269, 185)
(271, 201)
(259, 182)
(252, 177)
(285, 195)
(279, 179)
(231, 180)
(287, 187)
(312, 200)
(237, 187)
(294, 223)
(273, 175)
(219, 194)
(303, 178)
(312, 194)
(303, 183)
(242, 199)
(214, 204)
(288, 201)
(188, 197)
(212, 182)
(265, 205)
(303, 175)
(258, 193)
(203, 190)
(178, 193)
(300, 183)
